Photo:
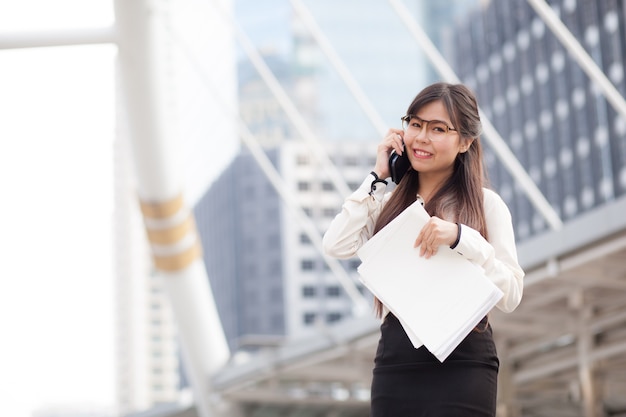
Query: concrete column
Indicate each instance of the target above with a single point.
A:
(146, 80)
(584, 346)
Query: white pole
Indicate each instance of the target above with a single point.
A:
(170, 225)
(499, 146)
(580, 55)
(18, 40)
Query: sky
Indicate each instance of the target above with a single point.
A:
(56, 177)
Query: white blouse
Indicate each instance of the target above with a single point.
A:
(354, 225)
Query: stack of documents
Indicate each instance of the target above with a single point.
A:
(438, 300)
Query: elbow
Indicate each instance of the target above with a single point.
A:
(327, 245)
(511, 300)
(508, 306)
(333, 248)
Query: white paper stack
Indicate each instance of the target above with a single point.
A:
(438, 300)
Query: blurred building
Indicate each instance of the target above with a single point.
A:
(238, 222)
(270, 281)
(555, 120)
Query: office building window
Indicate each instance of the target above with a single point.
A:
(305, 239)
(307, 265)
(304, 186)
(308, 318)
(327, 186)
(329, 212)
(333, 291)
(333, 317)
(308, 291)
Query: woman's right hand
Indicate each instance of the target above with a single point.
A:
(393, 140)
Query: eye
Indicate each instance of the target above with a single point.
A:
(416, 123)
(439, 127)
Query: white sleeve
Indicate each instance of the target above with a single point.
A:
(498, 256)
(354, 225)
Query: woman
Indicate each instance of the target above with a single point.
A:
(441, 138)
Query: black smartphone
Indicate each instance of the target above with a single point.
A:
(398, 165)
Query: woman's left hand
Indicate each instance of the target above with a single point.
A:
(436, 232)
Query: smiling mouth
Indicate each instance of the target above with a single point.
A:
(420, 153)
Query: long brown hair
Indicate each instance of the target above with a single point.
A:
(460, 197)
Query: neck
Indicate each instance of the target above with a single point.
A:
(429, 184)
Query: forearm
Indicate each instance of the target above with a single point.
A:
(354, 225)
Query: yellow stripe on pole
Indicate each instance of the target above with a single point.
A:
(159, 216)
(171, 234)
(178, 261)
(161, 209)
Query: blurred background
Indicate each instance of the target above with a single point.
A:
(168, 169)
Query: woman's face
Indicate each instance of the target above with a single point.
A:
(430, 149)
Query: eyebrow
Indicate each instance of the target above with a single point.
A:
(449, 124)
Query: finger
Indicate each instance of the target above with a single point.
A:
(422, 238)
(399, 143)
(419, 239)
(394, 141)
(432, 250)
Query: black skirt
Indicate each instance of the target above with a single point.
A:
(411, 382)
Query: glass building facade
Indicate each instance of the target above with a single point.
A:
(554, 119)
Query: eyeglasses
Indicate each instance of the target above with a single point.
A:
(436, 130)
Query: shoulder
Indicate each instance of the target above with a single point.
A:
(491, 196)
(493, 202)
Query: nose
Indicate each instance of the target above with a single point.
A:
(422, 134)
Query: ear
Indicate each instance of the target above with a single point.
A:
(465, 144)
